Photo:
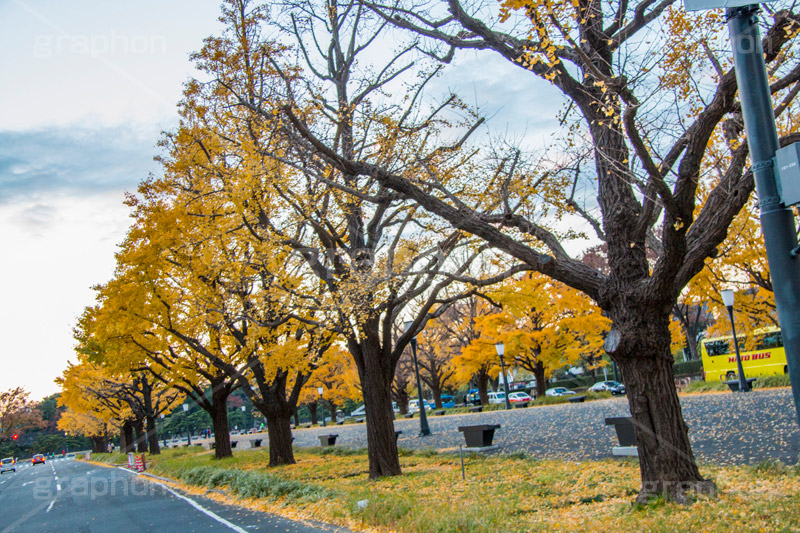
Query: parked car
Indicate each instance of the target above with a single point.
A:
(413, 406)
(9, 464)
(38, 458)
(614, 387)
(519, 397)
(558, 391)
(498, 397)
(448, 401)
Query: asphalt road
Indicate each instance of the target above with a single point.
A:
(724, 429)
(65, 495)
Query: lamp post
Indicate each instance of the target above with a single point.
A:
(727, 300)
(424, 429)
(186, 420)
(501, 350)
(320, 391)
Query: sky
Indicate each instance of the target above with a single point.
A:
(86, 88)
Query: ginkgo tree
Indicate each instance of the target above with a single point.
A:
(544, 325)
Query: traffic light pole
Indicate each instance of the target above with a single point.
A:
(777, 221)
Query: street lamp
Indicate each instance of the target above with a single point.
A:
(501, 350)
(727, 300)
(424, 429)
(186, 420)
(320, 390)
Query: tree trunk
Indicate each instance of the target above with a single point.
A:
(376, 381)
(219, 419)
(141, 435)
(541, 379)
(483, 387)
(280, 436)
(640, 347)
(296, 416)
(152, 435)
(332, 409)
(312, 408)
(126, 441)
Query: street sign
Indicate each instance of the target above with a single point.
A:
(787, 160)
(702, 5)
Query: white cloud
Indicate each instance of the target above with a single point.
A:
(55, 248)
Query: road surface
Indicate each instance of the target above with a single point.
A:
(65, 495)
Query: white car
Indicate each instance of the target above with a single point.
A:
(413, 406)
(9, 464)
(558, 391)
(497, 397)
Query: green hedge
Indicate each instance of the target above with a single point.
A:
(688, 368)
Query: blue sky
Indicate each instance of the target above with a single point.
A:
(87, 87)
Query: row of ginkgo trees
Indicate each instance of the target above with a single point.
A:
(314, 194)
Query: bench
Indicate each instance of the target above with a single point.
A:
(255, 443)
(327, 440)
(340, 422)
(479, 436)
(520, 405)
(476, 409)
(439, 413)
(234, 443)
(397, 434)
(734, 384)
(626, 433)
(409, 415)
(306, 426)
(577, 399)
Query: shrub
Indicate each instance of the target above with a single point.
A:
(688, 368)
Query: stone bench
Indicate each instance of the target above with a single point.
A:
(577, 399)
(234, 443)
(255, 443)
(626, 434)
(479, 436)
(327, 440)
(476, 409)
(439, 413)
(734, 384)
(409, 415)
(520, 405)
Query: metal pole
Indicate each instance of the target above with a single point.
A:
(743, 385)
(424, 429)
(505, 381)
(777, 222)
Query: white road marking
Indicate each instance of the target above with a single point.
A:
(27, 483)
(58, 488)
(50, 506)
(204, 510)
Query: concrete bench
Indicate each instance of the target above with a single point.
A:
(327, 440)
(234, 443)
(577, 399)
(479, 436)
(409, 415)
(520, 405)
(626, 433)
(734, 384)
(255, 443)
(439, 413)
(476, 409)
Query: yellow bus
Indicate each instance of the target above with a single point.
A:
(762, 356)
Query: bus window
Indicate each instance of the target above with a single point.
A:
(771, 340)
(717, 348)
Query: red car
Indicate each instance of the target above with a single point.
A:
(38, 458)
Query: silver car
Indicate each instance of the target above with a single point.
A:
(8, 464)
